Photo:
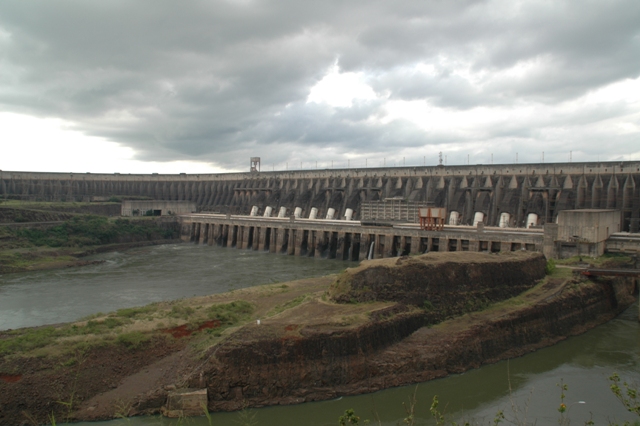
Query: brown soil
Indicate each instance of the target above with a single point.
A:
(184, 330)
(44, 384)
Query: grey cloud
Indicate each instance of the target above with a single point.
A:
(216, 80)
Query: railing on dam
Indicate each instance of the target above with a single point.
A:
(348, 240)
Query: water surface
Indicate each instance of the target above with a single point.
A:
(141, 276)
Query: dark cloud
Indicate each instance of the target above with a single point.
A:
(218, 80)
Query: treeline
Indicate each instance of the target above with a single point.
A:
(96, 230)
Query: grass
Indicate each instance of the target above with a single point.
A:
(609, 259)
(133, 340)
(288, 305)
(24, 248)
(230, 313)
(130, 327)
(137, 311)
(90, 230)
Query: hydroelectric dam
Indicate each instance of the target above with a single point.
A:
(358, 213)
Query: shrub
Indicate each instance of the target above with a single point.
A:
(550, 267)
(427, 306)
(132, 340)
(132, 312)
(230, 313)
(28, 340)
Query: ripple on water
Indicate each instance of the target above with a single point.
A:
(141, 276)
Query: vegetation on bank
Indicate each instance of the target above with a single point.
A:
(130, 327)
(607, 260)
(58, 245)
(91, 230)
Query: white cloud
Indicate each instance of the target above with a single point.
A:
(49, 145)
(341, 89)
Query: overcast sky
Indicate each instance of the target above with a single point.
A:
(201, 86)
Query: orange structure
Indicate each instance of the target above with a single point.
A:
(432, 218)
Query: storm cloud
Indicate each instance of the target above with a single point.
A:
(219, 81)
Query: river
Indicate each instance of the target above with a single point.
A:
(524, 388)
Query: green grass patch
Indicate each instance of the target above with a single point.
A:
(137, 311)
(230, 313)
(288, 305)
(30, 339)
(180, 311)
(133, 340)
(606, 259)
(24, 341)
(562, 273)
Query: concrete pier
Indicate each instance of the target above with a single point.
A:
(350, 240)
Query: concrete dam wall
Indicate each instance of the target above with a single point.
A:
(517, 190)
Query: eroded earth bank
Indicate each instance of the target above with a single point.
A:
(385, 323)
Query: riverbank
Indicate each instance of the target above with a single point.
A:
(320, 349)
(61, 239)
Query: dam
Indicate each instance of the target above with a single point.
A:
(343, 213)
(519, 190)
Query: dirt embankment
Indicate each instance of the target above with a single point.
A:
(444, 286)
(307, 347)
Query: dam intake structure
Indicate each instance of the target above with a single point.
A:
(508, 195)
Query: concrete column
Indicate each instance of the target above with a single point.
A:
(204, 233)
(273, 240)
(549, 240)
(263, 239)
(443, 245)
(280, 240)
(415, 245)
(319, 243)
(222, 230)
(298, 242)
(505, 246)
(257, 234)
(474, 245)
(291, 248)
(388, 246)
(224, 235)
(377, 251)
(365, 244)
(212, 231)
(403, 242)
(196, 238)
(231, 234)
(192, 232)
(240, 237)
(341, 246)
(459, 245)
